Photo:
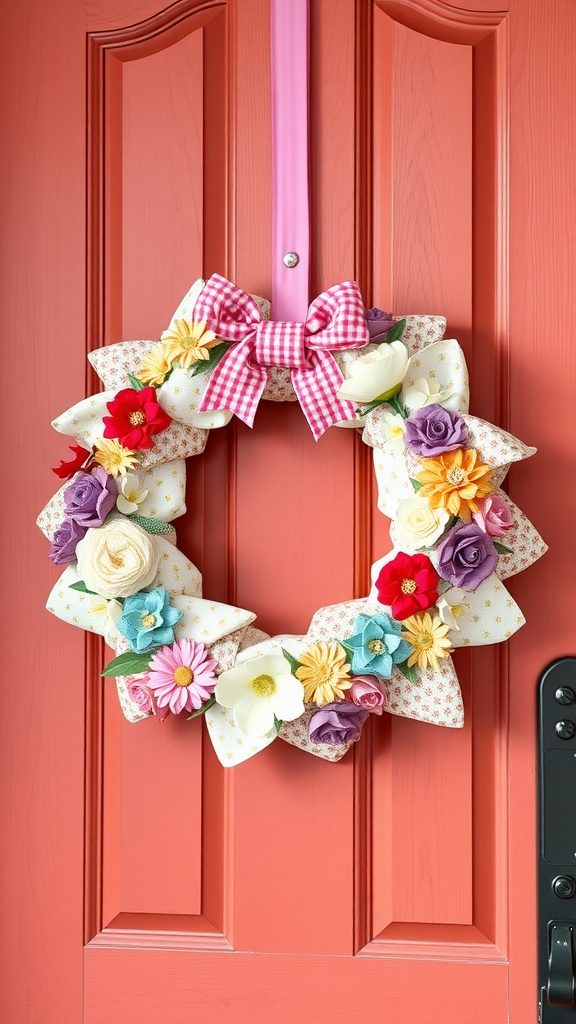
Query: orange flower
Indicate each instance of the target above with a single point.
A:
(456, 481)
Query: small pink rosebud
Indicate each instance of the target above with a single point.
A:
(140, 695)
(367, 692)
(494, 516)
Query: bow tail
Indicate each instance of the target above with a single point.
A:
(236, 384)
(316, 389)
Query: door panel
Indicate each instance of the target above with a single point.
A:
(416, 850)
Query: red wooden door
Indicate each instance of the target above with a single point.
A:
(143, 883)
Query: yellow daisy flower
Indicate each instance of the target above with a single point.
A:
(456, 481)
(155, 366)
(428, 635)
(115, 459)
(188, 342)
(324, 673)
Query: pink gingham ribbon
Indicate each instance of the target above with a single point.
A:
(335, 321)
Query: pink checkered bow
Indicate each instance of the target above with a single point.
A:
(335, 321)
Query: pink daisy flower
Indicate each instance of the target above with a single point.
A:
(181, 676)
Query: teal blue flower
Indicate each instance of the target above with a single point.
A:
(148, 621)
(377, 645)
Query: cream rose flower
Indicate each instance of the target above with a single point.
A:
(376, 375)
(416, 525)
(117, 559)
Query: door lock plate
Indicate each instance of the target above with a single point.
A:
(557, 843)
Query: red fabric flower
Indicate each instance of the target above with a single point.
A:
(408, 584)
(67, 469)
(135, 415)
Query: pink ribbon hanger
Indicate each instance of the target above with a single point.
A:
(291, 214)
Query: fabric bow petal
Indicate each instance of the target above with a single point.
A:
(487, 615)
(166, 486)
(439, 369)
(437, 699)
(84, 422)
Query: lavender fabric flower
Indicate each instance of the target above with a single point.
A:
(466, 557)
(66, 537)
(340, 722)
(379, 323)
(433, 429)
(90, 497)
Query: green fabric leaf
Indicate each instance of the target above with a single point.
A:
(152, 525)
(347, 651)
(415, 483)
(277, 724)
(410, 673)
(128, 664)
(136, 383)
(216, 353)
(202, 711)
(396, 332)
(294, 665)
(501, 548)
(81, 586)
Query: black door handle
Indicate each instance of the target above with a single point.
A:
(560, 990)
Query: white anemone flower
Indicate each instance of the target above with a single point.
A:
(425, 392)
(452, 605)
(130, 494)
(260, 691)
(377, 375)
(392, 428)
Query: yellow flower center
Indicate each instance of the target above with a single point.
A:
(455, 475)
(189, 342)
(149, 620)
(136, 419)
(396, 431)
(375, 646)
(263, 686)
(183, 675)
(424, 641)
(408, 586)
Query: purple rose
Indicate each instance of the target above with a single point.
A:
(379, 323)
(433, 429)
(90, 497)
(66, 537)
(494, 516)
(466, 557)
(337, 723)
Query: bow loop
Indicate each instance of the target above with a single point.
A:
(227, 310)
(336, 319)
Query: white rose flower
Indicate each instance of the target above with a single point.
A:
(425, 392)
(130, 494)
(376, 375)
(416, 525)
(117, 559)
